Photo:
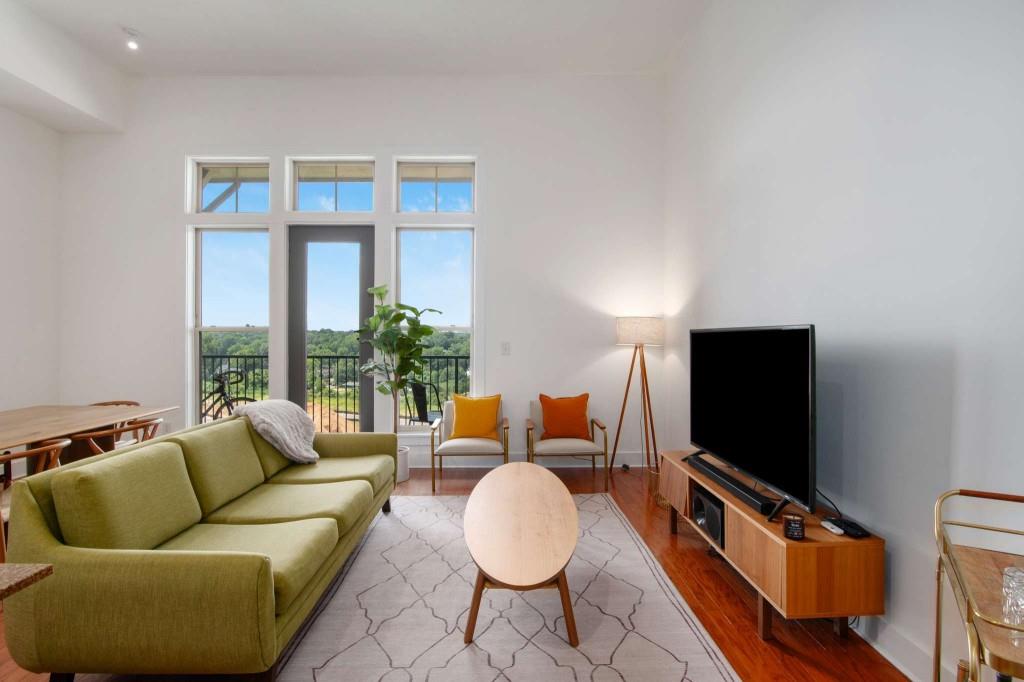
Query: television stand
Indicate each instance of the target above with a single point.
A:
(821, 576)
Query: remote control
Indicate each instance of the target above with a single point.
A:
(832, 528)
(851, 528)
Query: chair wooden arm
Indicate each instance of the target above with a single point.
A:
(47, 446)
(504, 423)
(47, 456)
(436, 425)
(530, 426)
(599, 424)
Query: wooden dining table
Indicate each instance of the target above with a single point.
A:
(29, 426)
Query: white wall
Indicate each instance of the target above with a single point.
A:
(569, 226)
(46, 75)
(858, 166)
(29, 193)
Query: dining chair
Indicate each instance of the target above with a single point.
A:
(463, 447)
(140, 430)
(37, 459)
(566, 447)
(116, 403)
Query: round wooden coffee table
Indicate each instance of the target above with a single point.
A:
(521, 527)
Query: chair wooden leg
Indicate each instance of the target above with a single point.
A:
(387, 506)
(433, 483)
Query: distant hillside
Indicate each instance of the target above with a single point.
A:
(322, 342)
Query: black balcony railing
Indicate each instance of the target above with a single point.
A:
(332, 385)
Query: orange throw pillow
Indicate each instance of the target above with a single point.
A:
(476, 417)
(565, 417)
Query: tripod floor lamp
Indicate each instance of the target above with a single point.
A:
(639, 332)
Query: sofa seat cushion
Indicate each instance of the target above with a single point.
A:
(296, 549)
(470, 446)
(343, 501)
(567, 446)
(133, 501)
(222, 462)
(375, 469)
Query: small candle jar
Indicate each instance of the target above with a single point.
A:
(793, 526)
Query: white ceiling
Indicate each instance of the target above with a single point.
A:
(374, 37)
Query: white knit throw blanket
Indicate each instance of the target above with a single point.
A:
(284, 425)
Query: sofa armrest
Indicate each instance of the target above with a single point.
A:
(145, 611)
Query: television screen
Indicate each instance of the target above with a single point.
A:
(752, 404)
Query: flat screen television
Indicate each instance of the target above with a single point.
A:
(752, 404)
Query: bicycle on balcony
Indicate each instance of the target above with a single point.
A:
(219, 402)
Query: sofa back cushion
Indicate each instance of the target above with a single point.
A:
(136, 501)
(271, 458)
(222, 462)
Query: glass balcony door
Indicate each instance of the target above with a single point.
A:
(330, 267)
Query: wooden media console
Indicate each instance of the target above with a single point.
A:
(821, 576)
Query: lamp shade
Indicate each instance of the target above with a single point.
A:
(647, 331)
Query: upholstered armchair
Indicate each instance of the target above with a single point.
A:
(566, 447)
(442, 444)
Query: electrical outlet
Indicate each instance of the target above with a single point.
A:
(506, 348)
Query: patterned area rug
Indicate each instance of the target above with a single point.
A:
(400, 611)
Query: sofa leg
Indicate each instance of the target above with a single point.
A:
(387, 506)
(62, 677)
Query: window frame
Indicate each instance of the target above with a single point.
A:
(291, 199)
(195, 201)
(196, 326)
(434, 161)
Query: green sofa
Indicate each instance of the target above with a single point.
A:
(203, 551)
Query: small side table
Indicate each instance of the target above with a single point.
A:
(16, 577)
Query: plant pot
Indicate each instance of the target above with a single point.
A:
(403, 464)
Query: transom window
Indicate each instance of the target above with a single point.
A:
(233, 188)
(435, 187)
(325, 186)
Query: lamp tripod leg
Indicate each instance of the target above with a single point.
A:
(622, 412)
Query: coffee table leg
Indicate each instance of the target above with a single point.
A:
(474, 608)
(570, 619)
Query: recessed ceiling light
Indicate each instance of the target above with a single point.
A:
(131, 38)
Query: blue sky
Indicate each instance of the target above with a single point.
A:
(436, 271)
(235, 278)
(420, 196)
(320, 196)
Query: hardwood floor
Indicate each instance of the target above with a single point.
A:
(802, 650)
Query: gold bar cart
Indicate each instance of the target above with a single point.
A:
(976, 579)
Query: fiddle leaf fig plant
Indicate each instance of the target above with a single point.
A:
(396, 333)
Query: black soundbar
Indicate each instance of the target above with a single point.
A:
(744, 492)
